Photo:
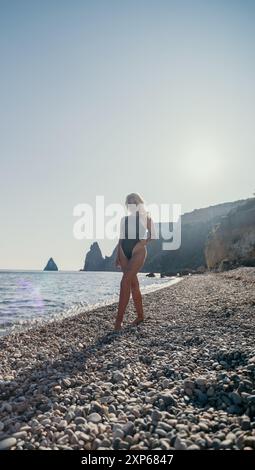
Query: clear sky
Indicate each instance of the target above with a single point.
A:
(112, 97)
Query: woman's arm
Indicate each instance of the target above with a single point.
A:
(151, 229)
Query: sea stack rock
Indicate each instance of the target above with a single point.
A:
(94, 260)
(51, 265)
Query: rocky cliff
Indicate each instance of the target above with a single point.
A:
(51, 265)
(196, 226)
(232, 242)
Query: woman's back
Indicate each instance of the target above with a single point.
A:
(132, 231)
(134, 227)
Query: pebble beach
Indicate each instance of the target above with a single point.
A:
(183, 380)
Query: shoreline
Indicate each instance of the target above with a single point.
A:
(77, 310)
(184, 379)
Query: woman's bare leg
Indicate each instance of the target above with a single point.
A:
(125, 289)
(130, 271)
(123, 264)
(137, 299)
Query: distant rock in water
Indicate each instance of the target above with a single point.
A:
(150, 275)
(51, 265)
(94, 260)
(232, 242)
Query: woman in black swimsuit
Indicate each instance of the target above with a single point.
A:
(135, 233)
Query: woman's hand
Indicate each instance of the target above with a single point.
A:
(117, 262)
(143, 242)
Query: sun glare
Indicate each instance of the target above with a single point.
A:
(202, 162)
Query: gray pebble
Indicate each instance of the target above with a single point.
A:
(156, 416)
(94, 418)
(180, 444)
(7, 443)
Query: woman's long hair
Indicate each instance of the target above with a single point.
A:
(136, 201)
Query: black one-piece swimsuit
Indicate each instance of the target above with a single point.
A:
(134, 232)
